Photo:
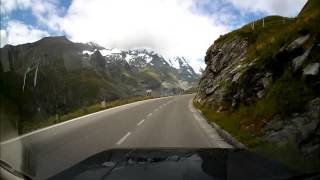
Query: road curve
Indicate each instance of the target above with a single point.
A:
(162, 122)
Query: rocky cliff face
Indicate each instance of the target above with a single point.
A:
(224, 65)
(272, 73)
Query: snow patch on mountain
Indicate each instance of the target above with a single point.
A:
(145, 57)
(88, 52)
(179, 62)
(174, 63)
(105, 52)
(129, 57)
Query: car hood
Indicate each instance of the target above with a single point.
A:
(165, 164)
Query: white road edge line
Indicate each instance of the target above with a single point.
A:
(78, 118)
(140, 122)
(123, 138)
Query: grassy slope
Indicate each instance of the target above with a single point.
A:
(238, 124)
(286, 95)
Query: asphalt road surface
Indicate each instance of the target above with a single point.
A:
(162, 122)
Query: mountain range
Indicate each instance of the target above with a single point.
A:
(55, 75)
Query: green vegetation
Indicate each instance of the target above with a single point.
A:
(37, 123)
(238, 123)
(287, 95)
(9, 118)
(244, 126)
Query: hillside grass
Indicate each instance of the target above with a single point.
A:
(243, 125)
(38, 123)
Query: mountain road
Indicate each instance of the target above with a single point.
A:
(157, 123)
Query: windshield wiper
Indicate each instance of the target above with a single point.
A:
(13, 171)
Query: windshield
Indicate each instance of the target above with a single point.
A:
(78, 78)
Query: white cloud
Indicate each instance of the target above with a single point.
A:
(9, 5)
(170, 27)
(17, 33)
(272, 7)
(47, 12)
(167, 26)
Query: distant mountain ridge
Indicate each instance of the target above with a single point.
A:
(141, 58)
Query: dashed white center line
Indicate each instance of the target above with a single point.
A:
(123, 138)
(150, 114)
(140, 122)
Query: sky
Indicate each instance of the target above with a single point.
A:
(169, 27)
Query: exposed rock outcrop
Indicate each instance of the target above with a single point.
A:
(224, 63)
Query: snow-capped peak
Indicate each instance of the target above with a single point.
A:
(95, 45)
(104, 52)
(178, 62)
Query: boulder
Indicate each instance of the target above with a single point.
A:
(311, 69)
(266, 81)
(305, 126)
(298, 61)
(275, 125)
(260, 94)
(287, 133)
(298, 42)
(299, 128)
